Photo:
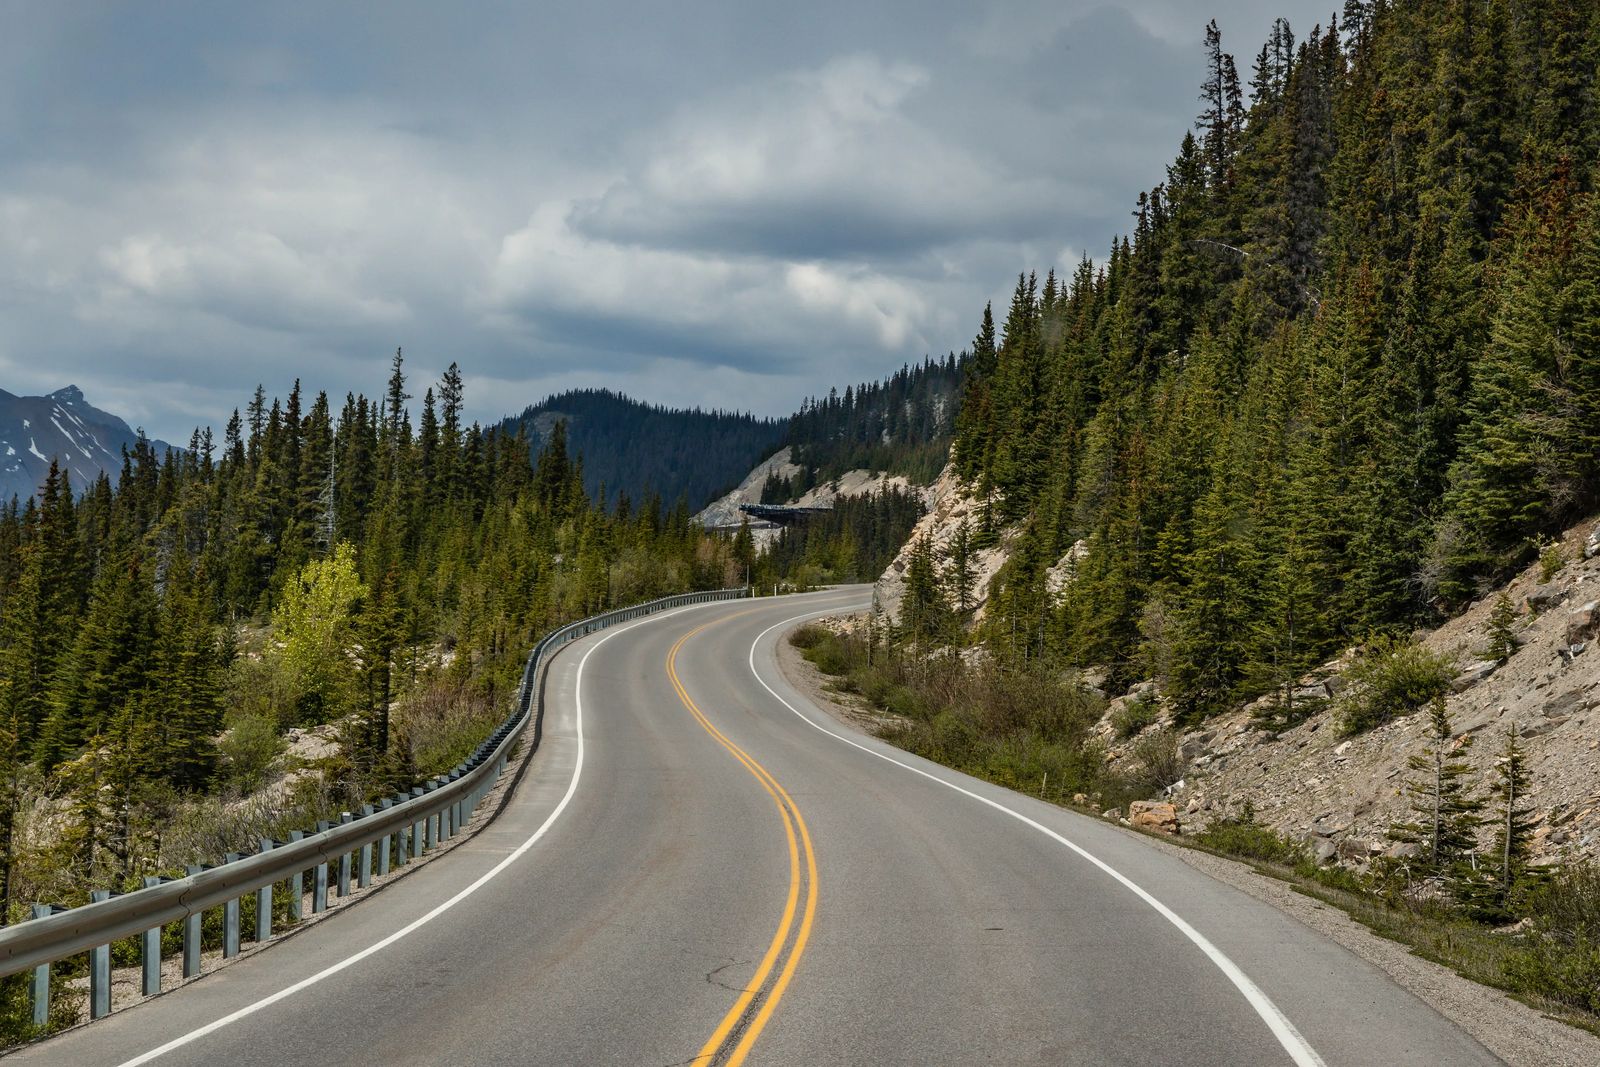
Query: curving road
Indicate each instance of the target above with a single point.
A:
(701, 867)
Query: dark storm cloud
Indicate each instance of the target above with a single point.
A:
(725, 204)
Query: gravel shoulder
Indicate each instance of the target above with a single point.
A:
(1518, 1034)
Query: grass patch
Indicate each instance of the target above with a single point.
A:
(1029, 729)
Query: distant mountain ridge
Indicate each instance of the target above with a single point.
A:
(636, 448)
(63, 426)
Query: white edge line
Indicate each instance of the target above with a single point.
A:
(1298, 1048)
(415, 924)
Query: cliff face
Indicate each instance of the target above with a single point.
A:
(948, 507)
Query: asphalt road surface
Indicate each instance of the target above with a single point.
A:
(702, 867)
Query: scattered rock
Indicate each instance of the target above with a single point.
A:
(1153, 815)
(1324, 852)
(1331, 825)
(1591, 547)
(1403, 850)
(1079, 799)
(1573, 700)
(1355, 849)
(1473, 674)
(1542, 598)
(1582, 624)
(1112, 813)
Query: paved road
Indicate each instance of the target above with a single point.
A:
(718, 872)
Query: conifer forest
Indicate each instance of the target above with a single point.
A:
(325, 564)
(1342, 376)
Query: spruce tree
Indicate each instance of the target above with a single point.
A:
(1446, 813)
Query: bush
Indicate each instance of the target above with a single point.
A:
(1160, 760)
(1561, 959)
(1551, 560)
(249, 749)
(1133, 717)
(1393, 677)
(1244, 836)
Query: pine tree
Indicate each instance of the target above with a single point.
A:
(1446, 814)
(1490, 892)
(1503, 640)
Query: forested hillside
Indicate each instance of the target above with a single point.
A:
(902, 425)
(321, 564)
(643, 450)
(1343, 375)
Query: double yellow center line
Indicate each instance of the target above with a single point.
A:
(750, 1013)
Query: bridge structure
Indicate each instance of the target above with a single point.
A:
(781, 514)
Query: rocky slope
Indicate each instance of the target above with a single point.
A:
(724, 511)
(1343, 793)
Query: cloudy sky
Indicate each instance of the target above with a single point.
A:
(724, 204)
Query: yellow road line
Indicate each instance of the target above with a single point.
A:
(792, 820)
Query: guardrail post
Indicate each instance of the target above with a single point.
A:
(419, 828)
(230, 918)
(150, 951)
(384, 845)
(191, 935)
(297, 884)
(431, 823)
(364, 872)
(99, 969)
(41, 977)
(319, 879)
(402, 841)
(264, 902)
(344, 861)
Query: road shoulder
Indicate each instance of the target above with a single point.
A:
(1511, 1030)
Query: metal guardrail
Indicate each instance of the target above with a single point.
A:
(397, 830)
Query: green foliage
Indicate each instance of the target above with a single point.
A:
(1245, 836)
(248, 749)
(1446, 812)
(1551, 560)
(1026, 729)
(1503, 642)
(1133, 716)
(1560, 961)
(1392, 677)
(1338, 375)
(315, 621)
(321, 565)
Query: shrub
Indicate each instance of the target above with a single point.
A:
(1393, 677)
(1551, 560)
(1160, 761)
(1243, 835)
(248, 749)
(1561, 960)
(1133, 717)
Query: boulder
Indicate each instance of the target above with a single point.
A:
(1331, 825)
(1474, 673)
(1153, 815)
(1080, 799)
(1542, 598)
(1591, 547)
(1323, 851)
(1112, 813)
(1403, 850)
(1582, 624)
(1573, 700)
(1355, 849)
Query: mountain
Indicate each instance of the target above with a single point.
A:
(643, 449)
(64, 426)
